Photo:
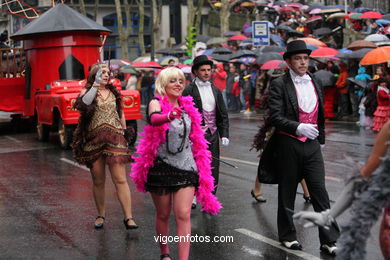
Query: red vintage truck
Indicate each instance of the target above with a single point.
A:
(43, 79)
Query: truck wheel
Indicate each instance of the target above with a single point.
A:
(65, 134)
(132, 127)
(43, 132)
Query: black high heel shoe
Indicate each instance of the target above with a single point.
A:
(258, 197)
(165, 255)
(100, 225)
(129, 226)
(307, 199)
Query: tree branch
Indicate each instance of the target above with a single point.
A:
(212, 6)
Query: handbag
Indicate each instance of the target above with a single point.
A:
(266, 171)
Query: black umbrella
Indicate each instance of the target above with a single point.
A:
(221, 57)
(230, 34)
(284, 27)
(322, 31)
(295, 33)
(315, 5)
(264, 57)
(243, 53)
(273, 48)
(343, 55)
(203, 38)
(358, 82)
(386, 17)
(169, 51)
(222, 50)
(325, 78)
(359, 54)
(280, 3)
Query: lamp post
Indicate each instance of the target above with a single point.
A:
(346, 6)
(152, 32)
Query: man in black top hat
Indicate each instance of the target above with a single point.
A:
(208, 99)
(296, 111)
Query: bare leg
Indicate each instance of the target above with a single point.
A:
(118, 175)
(305, 189)
(163, 204)
(257, 188)
(182, 200)
(98, 174)
(256, 192)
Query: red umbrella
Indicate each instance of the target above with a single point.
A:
(324, 52)
(387, 29)
(294, 5)
(314, 18)
(274, 64)
(238, 38)
(286, 9)
(150, 64)
(371, 15)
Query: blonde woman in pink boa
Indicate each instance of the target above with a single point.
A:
(173, 162)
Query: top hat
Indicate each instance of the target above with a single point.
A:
(199, 61)
(295, 47)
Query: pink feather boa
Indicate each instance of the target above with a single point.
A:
(154, 136)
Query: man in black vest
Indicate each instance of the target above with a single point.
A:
(208, 99)
(297, 113)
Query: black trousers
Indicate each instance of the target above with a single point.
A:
(298, 160)
(213, 140)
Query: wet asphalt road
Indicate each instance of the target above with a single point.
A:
(47, 210)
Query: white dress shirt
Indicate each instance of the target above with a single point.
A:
(306, 95)
(206, 94)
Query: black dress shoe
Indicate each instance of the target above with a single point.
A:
(100, 225)
(125, 222)
(329, 248)
(293, 245)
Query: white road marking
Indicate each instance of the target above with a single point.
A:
(252, 251)
(74, 163)
(256, 164)
(276, 244)
(13, 139)
(240, 161)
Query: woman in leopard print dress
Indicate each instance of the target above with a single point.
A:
(100, 139)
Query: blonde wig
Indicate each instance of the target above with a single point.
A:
(165, 76)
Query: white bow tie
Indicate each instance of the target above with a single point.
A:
(302, 79)
(203, 83)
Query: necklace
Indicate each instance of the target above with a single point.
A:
(182, 136)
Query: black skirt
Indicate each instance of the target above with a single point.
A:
(164, 178)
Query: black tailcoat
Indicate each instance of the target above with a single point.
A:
(222, 123)
(221, 112)
(291, 160)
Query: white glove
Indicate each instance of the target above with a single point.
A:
(323, 219)
(225, 141)
(308, 130)
(91, 94)
(98, 76)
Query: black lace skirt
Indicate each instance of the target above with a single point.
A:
(164, 178)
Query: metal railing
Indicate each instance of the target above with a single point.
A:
(12, 62)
